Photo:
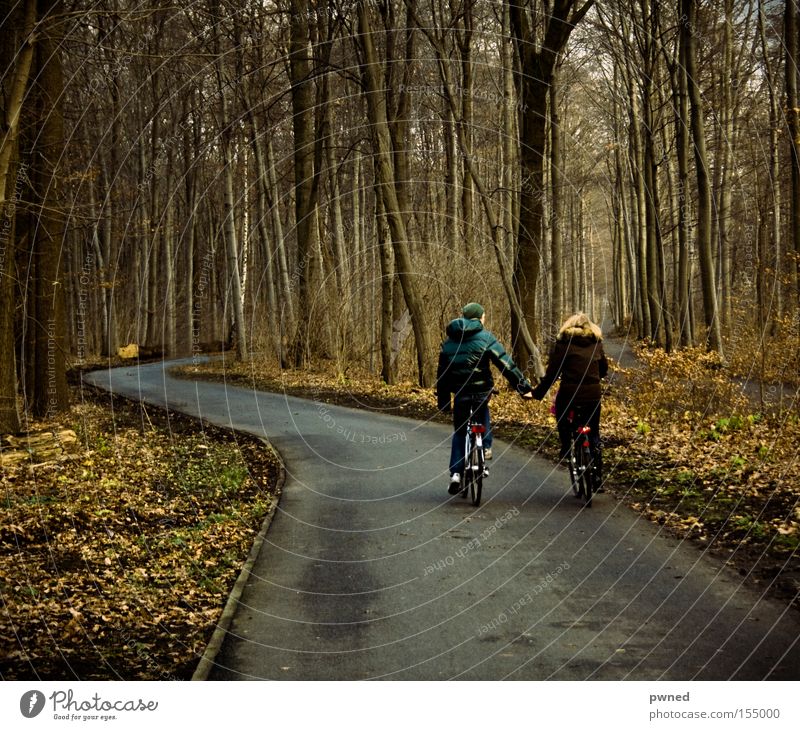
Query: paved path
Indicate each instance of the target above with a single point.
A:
(370, 570)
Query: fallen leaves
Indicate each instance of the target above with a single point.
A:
(117, 564)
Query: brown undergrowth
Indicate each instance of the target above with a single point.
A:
(116, 561)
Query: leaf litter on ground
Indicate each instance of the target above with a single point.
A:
(116, 561)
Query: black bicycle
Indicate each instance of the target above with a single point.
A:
(474, 469)
(581, 460)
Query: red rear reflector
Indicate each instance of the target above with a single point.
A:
(584, 429)
(479, 429)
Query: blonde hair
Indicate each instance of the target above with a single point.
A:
(579, 325)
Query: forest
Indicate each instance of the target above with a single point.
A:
(314, 189)
(332, 180)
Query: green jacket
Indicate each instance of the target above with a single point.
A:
(464, 362)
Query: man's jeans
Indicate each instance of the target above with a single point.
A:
(461, 407)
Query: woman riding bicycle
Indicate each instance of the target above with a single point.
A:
(464, 369)
(578, 358)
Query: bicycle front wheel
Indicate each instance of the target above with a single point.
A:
(466, 472)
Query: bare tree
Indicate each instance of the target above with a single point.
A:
(704, 204)
(540, 35)
(15, 60)
(376, 109)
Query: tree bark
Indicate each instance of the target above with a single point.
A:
(556, 184)
(683, 281)
(17, 59)
(268, 251)
(792, 46)
(704, 204)
(303, 105)
(775, 257)
(47, 314)
(467, 82)
(537, 66)
(376, 108)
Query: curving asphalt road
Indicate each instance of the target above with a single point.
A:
(370, 570)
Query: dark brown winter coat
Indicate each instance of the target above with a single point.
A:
(578, 359)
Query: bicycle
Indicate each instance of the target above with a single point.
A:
(474, 469)
(581, 460)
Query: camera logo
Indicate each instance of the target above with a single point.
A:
(32, 703)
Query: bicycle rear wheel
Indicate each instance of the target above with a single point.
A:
(574, 470)
(476, 468)
(586, 475)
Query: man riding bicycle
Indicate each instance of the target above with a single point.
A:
(464, 370)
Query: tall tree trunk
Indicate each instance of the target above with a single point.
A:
(556, 183)
(654, 241)
(704, 250)
(467, 81)
(388, 371)
(621, 216)
(170, 272)
(537, 64)
(722, 172)
(451, 219)
(303, 105)
(376, 108)
(47, 325)
(682, 141)
(286, 294)
(341, 260)
(644, 327)
(792, 45)
(776, 304)
(268, 251)
(16, 59)
(227, 137)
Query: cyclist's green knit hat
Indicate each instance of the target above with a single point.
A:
(473, 310)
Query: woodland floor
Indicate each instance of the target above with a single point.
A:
(116, 560)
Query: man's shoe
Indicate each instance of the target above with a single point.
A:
(455, 484)
(487, 454)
